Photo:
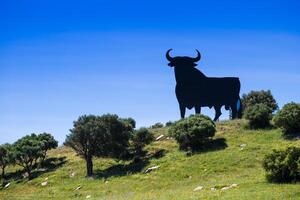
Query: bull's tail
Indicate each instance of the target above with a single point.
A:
(239, 107)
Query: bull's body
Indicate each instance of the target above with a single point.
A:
(195, 90)
(208, 92)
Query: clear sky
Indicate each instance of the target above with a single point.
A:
(61, 59)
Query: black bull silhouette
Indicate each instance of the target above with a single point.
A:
(194, 89)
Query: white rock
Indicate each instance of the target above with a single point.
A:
(72, 174)
(7, 185)
(225, 188)
(25, 175)
(198, 188)
(151, 168)
(233, 185)
(213, 189)
(159, 137)
(78, 188)
(44, 183)
(243, 145)
(88, 196)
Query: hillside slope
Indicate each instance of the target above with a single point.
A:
(235, 159)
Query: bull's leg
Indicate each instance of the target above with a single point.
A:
(198, 109)
(233, 110)
(182, 110)
(218, 112)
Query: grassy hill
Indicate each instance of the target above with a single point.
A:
(235, 159)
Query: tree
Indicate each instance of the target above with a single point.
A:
(288, 118)
(48, 142)
(140, 138)
(5, 157)
(259, 97)
(259, 115)
(28, 152)
(130, 121)
(100, 136)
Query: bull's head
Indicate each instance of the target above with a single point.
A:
(182, 61)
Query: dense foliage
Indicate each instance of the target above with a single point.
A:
(283, 165)
(5, 157)
(157, 125)
(140, 138)
(194, 132)
(259, 115)
(47, 142)
(288, 118)
(169, 123)
(28, 152)
(101, 136)
(259, 97)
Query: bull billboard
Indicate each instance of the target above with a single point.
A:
(195, 90)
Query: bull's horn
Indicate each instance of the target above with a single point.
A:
(169, 58)
(198, 57)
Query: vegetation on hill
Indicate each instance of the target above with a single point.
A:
(234, 171)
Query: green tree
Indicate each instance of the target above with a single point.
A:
(100, 136)
(141, 138)
(5, 157)
(259, 97)
(130, 121)
(28, 152)
(48, 142)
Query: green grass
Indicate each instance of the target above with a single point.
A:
(177, 176)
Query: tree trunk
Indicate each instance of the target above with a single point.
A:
(3, 172)
(89, 166)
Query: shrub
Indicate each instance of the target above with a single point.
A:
(259, 115)
(169, 123)
(141, 138)
(157, 125)
(194, 132)
(288, 118)
(259, 97)
(100, 136)
(283, 165)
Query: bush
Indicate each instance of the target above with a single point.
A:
(259, 97)
(194, 132)
(288, 118)
(169, 123)
(157, 125)
(259, 115)
(283, 165)
(141, 138)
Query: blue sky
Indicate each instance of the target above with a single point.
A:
(62, 59)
